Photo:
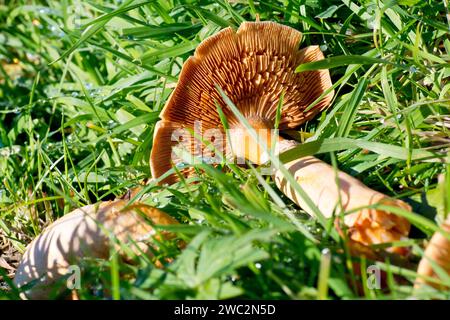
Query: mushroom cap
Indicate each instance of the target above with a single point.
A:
(253, 66)
(84, 232)
(437, 252)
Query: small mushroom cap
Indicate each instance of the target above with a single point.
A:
(85, 232)
(253, 66)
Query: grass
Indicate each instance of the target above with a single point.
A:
(81, 87)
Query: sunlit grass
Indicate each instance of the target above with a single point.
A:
(81, 88)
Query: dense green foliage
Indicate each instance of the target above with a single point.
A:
(81, 87)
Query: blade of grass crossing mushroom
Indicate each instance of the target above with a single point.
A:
(277, 120)
(442, 275)
(405, 272)
(339, 61)
(337, 144)
(220, 178)
(268, 188)
(346, 240)
(223, 120)
(275, 161)
(418, 220)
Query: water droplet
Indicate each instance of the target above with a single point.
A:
(324, 47)
(180, 165)
(44, 11)
(75, 94)
(258, 265)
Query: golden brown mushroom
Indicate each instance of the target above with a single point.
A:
(437, 251)
(254, 66)
(85, 232)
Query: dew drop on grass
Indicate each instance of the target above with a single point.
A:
(258, 265)
(44, 11)
(88, 86)
(180, 165)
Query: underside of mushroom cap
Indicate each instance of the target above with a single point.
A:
(254, 67)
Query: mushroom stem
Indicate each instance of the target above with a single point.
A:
(332, 192)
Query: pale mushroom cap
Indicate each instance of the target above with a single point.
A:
(438, 252)
(253, 66)
(85, 232)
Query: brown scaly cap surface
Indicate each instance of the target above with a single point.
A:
(253, 66)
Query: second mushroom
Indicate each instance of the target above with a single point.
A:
(255, 67)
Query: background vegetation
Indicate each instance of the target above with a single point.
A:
(81, 87)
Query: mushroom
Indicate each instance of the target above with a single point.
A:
(437, 252)
(89, 231)
(255, 66)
